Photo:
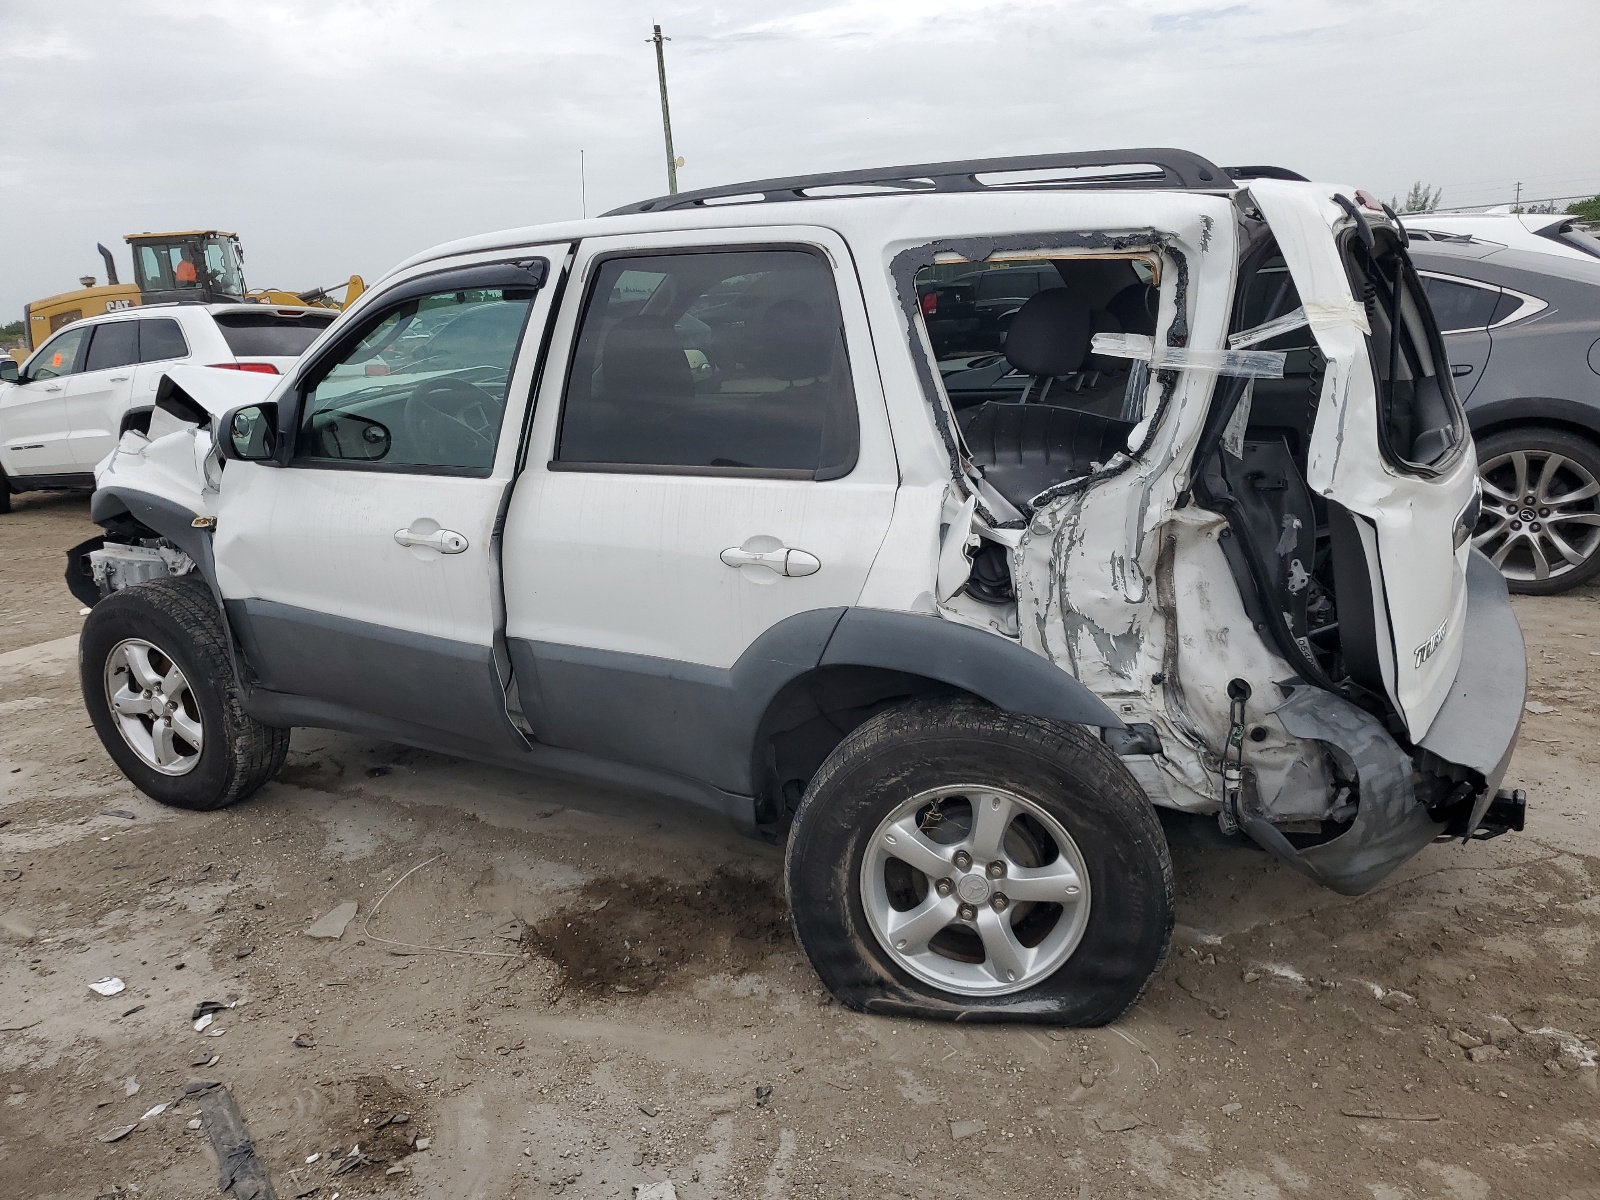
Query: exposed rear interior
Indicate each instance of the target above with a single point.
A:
(1012, 337)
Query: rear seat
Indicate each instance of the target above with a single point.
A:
(1026, 447)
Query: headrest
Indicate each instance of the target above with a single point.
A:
(1049, 335)
(1135, 308)
(643, 360)
(794, 343)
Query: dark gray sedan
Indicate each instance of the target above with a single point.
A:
(1522, 331)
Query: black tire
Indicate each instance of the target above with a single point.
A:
(1065, 771)
(1541, 442)
(5, 492)
(179, 618)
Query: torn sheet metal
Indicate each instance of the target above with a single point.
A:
(1256, 364)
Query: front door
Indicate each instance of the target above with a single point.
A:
(33, 412)
(362, 575)
(710, 457)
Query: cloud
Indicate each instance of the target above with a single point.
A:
(345, 137)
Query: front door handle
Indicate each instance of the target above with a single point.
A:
(54, 387)
(769, 552)
(1460, 369)
(445, 541)
(118, 379)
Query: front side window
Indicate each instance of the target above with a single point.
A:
(59, 356)
(115, 344)
(424, 387)
(714, 360)
(160, 339)
(1458, 305)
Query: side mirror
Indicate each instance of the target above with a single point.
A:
(250, 434)
(10, 372)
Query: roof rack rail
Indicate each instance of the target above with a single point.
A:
(1165, 168)
(1265, 172)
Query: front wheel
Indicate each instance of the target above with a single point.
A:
(1540, 521)
(951, 860)
(160, 689)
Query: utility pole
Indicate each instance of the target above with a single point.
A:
(583, 186)
(666, 113)
(1516, 205)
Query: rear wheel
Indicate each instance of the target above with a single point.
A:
(5, 492)
(160, 689)
(950, 860)
(1541, 508)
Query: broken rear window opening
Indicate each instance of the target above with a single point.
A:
(1420, 424)
(269, 333)
(1036, 405)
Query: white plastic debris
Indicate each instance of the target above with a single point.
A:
(156, 1111)
(332, 925)
(109, 986)
(203, 1022)
(657, 1191)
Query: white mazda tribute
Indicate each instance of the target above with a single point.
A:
(729, 495)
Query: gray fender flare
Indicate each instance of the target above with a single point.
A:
(992, 667)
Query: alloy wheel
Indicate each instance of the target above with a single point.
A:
(1541, 514)
(975, 890)
(154, 707)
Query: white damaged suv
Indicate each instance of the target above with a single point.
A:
(706, 497)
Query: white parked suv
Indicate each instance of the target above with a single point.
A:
(63, 410)
(678, 498)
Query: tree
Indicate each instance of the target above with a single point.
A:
(11, 335)
(1588, 209)
(1421, 199)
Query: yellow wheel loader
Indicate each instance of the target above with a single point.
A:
(197, 266)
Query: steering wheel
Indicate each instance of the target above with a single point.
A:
(455, 421)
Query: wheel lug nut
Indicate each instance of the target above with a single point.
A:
(1516, 524)
(1534, 527)
(999, 902)
(1544, 512)
(943, 887)
(996, 869)
(963, 860)
(967, 913)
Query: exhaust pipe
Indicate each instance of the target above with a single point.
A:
(111, 264)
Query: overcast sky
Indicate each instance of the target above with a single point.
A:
(344, 135)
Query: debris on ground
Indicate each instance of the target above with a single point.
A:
(12, 876)
(332, 925)
(130, 1086)
(117, 812)
(1363, 1115)
(120, 1132)
(763, 1094)
(207, 1006)
(1117, 1124)
(966, 1129)
(156, 1111)
(305, 1041)
(238, 1167)
(656, 1191)
(108, 986)
(204, 1023)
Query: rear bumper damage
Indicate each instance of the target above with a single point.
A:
(1470, 741)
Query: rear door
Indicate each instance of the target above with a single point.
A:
(362, 575)
(33, 412)
(710, 456)
(1464, 309)
(101, 392)
(1389, 446)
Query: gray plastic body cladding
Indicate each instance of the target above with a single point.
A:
(284, 711)
(426, 682)
(1000, 671)
(1390, 825)
(1478, 726)
(662, 714)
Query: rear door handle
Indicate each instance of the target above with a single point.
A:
(54, 387)
(118, 379)
(1460, 369)
(769, 552)
(445, 541)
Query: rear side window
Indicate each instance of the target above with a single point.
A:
(270, 334)
(712, 361)
(1459, 305)
(115, 344)
(161, 339)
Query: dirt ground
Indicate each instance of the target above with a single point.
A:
(566, 989)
